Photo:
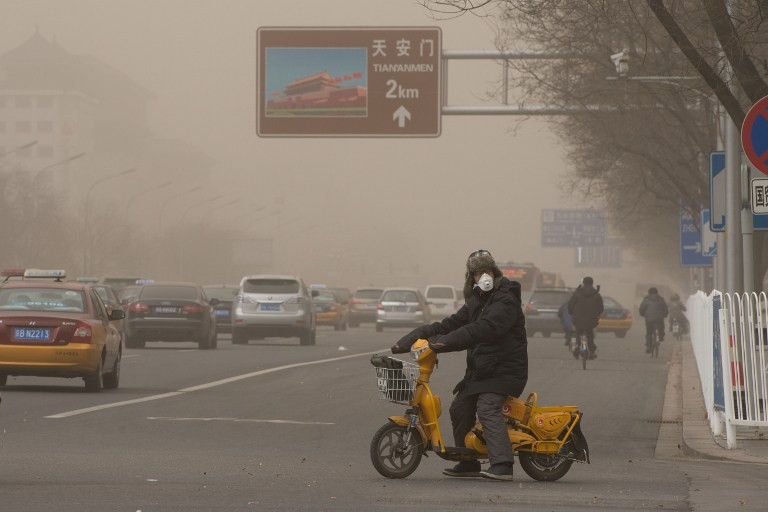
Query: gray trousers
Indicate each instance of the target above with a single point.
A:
(487, 407)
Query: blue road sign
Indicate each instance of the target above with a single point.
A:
(717, 190)
(572, 227)
(717, 196)
(692, 250)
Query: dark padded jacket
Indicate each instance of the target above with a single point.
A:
(491, 328)
(654, 308)
(585, 307)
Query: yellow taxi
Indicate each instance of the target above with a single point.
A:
(51, 328)
(329, 310)
(615, 318)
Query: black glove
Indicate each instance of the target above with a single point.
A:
(436, 345)
(404, 344)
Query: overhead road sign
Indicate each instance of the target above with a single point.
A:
(348, 81)
(697, 246)
(572, 227)
(754, 135)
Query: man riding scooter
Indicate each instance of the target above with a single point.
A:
(491, 328)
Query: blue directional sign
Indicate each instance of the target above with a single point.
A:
(572, 227)
(717, 190)
(717, 201)
(695, 250)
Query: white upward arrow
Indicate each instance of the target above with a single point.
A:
(401, 114)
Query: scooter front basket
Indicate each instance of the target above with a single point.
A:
(397, 382)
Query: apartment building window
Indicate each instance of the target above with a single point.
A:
(23, 126)
(45, 126)
(45, 102)
(45, 151)
(23, 102)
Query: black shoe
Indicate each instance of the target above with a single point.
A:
(592, 356)
(647, 350)
(576, 354)
(499, 472)
(464, 468)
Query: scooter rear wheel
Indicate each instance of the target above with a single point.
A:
(390, 454)
(544, 467)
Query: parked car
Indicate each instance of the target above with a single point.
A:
(49, 328)
(615, 318)
(273, 305)
(442, 299)
(330, 311)
(226, 294)
(171, 312)
(362, 305)
(400, 307)
(541, 310)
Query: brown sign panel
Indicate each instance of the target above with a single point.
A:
(348, 82)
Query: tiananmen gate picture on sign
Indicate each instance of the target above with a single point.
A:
(316, 82)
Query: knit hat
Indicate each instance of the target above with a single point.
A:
(479, 261)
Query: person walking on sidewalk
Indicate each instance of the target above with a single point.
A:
(585, 308)
(654, 309)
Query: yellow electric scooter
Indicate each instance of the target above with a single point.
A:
(547, 440)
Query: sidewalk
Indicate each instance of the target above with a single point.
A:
(697, 438)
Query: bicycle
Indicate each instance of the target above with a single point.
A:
(655, 343)
(580, 348)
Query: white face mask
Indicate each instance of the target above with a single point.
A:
(485, 282)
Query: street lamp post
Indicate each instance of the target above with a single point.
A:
(19, 148)
(87, 249)
(143, 192)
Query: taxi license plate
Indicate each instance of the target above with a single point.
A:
(26, 333)
(270, 307)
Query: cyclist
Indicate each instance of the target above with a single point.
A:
(677, 312)
(491, 328)
(585, 308)
(654, 309)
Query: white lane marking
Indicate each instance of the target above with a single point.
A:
(126, 356)
(204, 386)
(247, 420)
(190, 350)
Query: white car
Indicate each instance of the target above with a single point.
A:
(443, 299)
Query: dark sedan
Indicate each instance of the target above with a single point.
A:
(541, 310)
(171, 312)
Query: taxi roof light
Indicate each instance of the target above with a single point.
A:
(34, 273)
(13, 272)
(87, 280)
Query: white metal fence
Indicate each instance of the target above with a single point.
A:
(729, 335)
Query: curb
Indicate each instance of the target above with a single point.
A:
(697, 439)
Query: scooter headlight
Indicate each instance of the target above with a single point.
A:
(416, 352)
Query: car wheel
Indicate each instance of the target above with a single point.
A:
(546, 334)
(344, 326)
(204, 341)
(337, 326)
(112, 379)
(307, 338)
(354, 324)
(134, 341)
(621, 334)
(379, 328)
(214, 340)
(3, 379)
(239, 337)
(95, 382)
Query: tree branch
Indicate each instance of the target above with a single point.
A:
(713, 80)
(743, 68)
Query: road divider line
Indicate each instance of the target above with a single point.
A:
(208, 385)
(242, 420)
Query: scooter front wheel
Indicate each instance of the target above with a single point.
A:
(544, 467)
(392, 454)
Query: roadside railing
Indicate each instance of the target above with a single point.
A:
(729, 335)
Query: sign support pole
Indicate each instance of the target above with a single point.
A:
(733, 207)
(747, 230)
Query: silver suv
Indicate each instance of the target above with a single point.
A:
(273, 305)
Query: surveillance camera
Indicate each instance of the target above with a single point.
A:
(621, 61)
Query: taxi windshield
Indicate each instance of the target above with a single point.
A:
(42, 299)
